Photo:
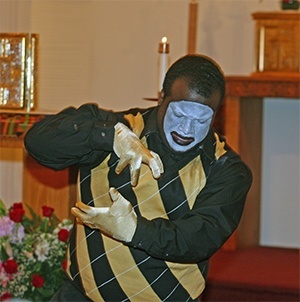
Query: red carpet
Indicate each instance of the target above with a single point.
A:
(253, 274)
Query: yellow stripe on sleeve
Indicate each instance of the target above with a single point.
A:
(189, 276)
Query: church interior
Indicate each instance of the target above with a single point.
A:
(108, 52)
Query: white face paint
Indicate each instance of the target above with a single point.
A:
(186, 124)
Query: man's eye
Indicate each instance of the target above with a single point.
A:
(202, 121)
(177, 114)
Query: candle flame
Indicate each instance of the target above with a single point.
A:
(164, 40)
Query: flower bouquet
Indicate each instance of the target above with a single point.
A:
(32, 253)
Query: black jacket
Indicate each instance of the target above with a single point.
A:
(183, 218)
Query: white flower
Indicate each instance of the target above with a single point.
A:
(42, 250)
(29, 255)
(17, 234)
(64, 224)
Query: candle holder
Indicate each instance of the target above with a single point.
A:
(163, 63)
(164, 47)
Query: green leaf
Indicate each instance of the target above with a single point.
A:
(33, 215)
(38, 267)
(55, 220)
(3, 254)
(46, 292)
(44, 225)
(3, 210)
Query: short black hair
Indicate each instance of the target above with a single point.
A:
(204, 75)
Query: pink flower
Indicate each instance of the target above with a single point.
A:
(4, 277)
(6, 226)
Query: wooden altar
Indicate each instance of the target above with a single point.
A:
(276, 74)
(243, 119)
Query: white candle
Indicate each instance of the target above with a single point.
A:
(163, 62)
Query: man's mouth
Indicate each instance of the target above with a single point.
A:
(181, 140)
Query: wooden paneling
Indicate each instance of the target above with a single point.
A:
(250, 148)
(44, 186)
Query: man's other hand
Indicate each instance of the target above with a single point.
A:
(118, 221)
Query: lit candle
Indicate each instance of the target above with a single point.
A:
(163, 62)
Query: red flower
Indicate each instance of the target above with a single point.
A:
(17, 205)
(16, 212)
(64, 264)
(63, 235)
(10, 266)
(37, 280)
(6, 296)
(47, 211)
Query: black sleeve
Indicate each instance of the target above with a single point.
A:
(72, 137)
(198, 234)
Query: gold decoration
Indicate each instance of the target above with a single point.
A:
(277, 43)
(18, 71)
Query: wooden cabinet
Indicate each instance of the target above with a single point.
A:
(277, 42)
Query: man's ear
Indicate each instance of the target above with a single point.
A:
(161, 97)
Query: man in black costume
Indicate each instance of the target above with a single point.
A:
(160, 190)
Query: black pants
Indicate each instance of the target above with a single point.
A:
(69, 292)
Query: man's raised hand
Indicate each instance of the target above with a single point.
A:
(132, 152)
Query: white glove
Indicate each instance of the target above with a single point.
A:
(118, 221)
(132, 152)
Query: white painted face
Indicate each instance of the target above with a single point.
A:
(186, 124)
